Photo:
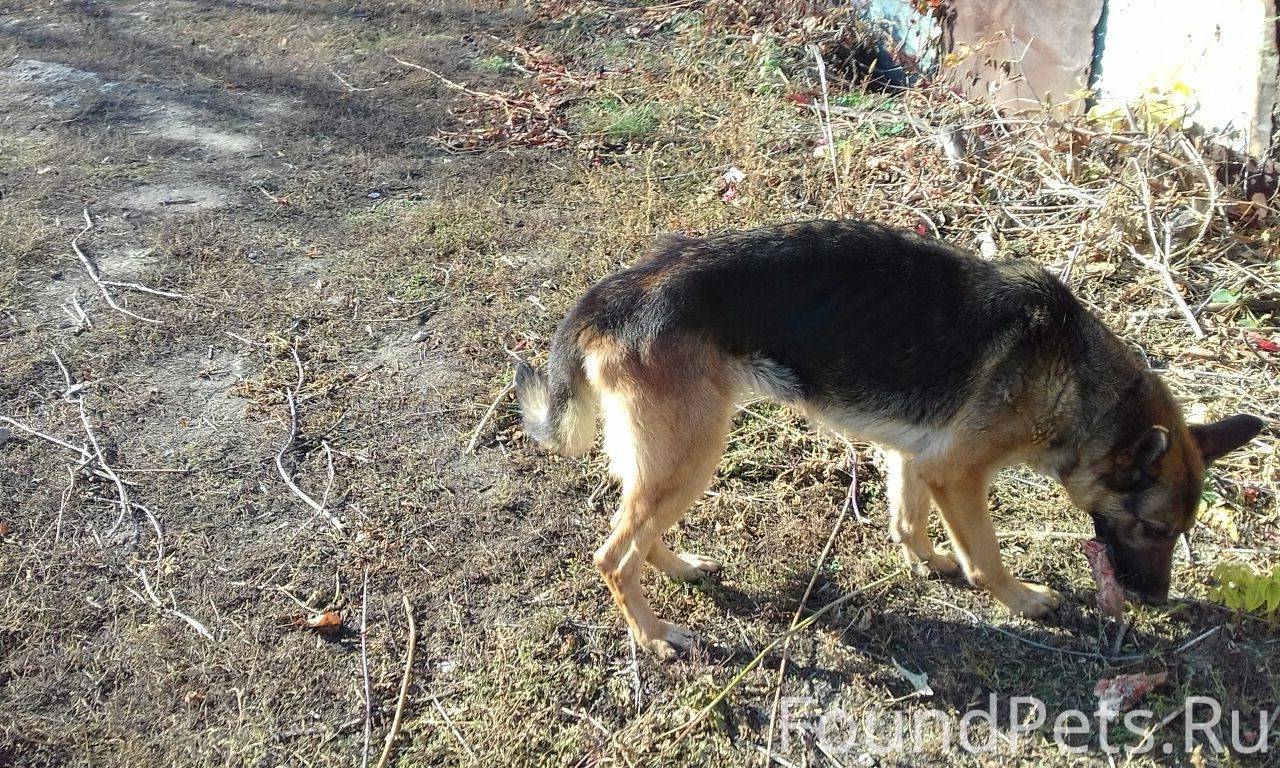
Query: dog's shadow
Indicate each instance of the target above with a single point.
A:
(965, 656)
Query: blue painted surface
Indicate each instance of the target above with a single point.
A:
(899, 27)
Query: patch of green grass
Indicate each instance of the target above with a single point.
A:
(420, 287)
(29, 234)
(427, 227)
(864, 100)
(635, 123)
(17, 155)
(544, 662)
(896, 128)
(135, 170)
(769, 67)
(493, 64)
(384, 211)
(615, 49)
(619, 121)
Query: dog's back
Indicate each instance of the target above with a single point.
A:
(840, 314)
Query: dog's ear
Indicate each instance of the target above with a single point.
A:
(1141, 458)
(1222, 437)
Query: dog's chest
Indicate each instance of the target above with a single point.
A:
(914, 439)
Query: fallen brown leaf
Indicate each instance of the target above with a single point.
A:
(326, 620)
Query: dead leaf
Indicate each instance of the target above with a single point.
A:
(1100, 268)
(326, 620)
(1220, 518)
(1258, 341)
(918, 680)
(5, 530)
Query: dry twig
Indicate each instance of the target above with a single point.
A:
(84, 454)
(804, 600)
(475, 436)
(1161, 263)
(290, 398)
(404, 687)
(453, 728)
(1028, 641)
(737, 679)
(824, 118)
(364, 666)
(96, 277)
(195, 624)
(73, 393)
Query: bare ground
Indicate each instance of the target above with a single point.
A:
(276, 166)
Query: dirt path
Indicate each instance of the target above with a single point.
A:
(224, 153)
(274, 168)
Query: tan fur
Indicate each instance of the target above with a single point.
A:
(958, 480)
(667, 410)
(909, 501)
(666, 413)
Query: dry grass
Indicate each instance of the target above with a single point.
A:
(399, 261)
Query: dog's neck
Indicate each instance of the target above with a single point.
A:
(1082, 434)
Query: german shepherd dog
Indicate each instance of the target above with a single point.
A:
(956, 366)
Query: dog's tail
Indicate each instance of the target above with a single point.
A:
(559, 409)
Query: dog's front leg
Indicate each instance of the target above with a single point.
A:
(962, 498)
(909, 518)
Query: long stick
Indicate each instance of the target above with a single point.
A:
(404, 686)
(364, 665)
(813, 579)
(454, 729)
(475, 436)
(56, 441)
(1161, 263)
(1033, 643)
(293, 435)
(126, 506)
(824, 118)
(1171, 288)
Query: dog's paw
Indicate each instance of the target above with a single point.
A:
(943, 563)
(1033, 601)
(688, 567)
(700, 566)
(940, 562)
(669, 645)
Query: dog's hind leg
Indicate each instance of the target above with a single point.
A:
(909, 518)
(664, 432)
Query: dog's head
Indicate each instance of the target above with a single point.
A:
(1145, 480)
